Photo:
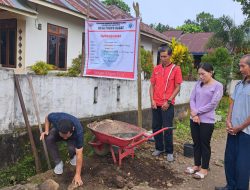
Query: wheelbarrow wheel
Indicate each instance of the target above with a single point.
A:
(101, 150)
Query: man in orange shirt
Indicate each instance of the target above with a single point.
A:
(165, 85)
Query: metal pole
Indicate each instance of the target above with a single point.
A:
(38, 119)
(139, 113)
(25, 116)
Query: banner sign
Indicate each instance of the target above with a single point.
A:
(111, 48)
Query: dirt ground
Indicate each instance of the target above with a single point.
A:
(144, 172)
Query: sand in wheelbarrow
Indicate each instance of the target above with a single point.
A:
(125, 135)
(117, 128)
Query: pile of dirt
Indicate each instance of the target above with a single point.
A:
(101, 173)
(142, 169)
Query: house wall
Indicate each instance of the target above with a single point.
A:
(155, 52)
(36, 40)
(146, 43)
(72, 95)
(20, 38)
(151, 46)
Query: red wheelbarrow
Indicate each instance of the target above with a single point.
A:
(111, 135)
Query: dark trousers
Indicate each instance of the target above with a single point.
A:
(52, 147)
(237, 161)
(201, 135)
(163, 119)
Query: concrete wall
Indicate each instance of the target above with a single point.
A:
(72, 95)
(231, 86)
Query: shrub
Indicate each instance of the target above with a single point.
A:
(146, 63)
(75, 69)
(182, 57)
(42, 68)
(221, 60)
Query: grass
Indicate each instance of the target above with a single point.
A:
(18, 172)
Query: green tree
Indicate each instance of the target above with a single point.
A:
(235, 67)
(190, 28)
(245, 7)
(221, 60)
(236, 40)
(206, 21)
(160, 27)
(119, 3)
(226, 34)
(188, 21)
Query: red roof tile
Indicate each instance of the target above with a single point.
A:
(97, 11)
(196, 42)
(19, 5)
(173, 34)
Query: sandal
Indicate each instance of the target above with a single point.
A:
(199, 175)
(190, 170)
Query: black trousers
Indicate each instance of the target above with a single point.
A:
(51, 141)
(163, 119)
(201, 135)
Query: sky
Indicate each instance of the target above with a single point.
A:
(175, 12)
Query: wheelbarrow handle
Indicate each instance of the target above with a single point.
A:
(157, 132)
(149, 136)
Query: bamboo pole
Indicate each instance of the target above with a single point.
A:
(139, 113)
(33, 146)
(34, 99)
(83, 48)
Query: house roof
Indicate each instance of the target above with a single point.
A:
(173, 34)
(17, 7)
(196, 42)
(79, 8)
(118, 13)
(145, 29)
(97, 9)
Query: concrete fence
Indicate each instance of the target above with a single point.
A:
(83, 97)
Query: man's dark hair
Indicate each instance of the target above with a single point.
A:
(247, 57)
(65, 126)
(165, 49)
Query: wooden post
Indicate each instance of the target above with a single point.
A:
(33, 146)
(83, 41)
(137, 12)
(38, 119)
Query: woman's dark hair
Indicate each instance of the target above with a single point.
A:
(207, 67)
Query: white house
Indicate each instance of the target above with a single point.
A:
(53, 31)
